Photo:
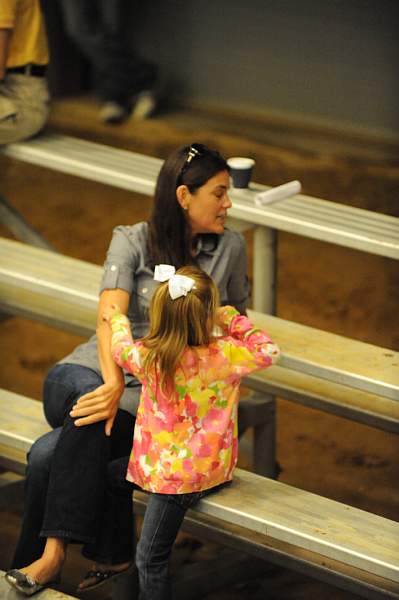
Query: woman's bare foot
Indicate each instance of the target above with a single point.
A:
(100, 573)
(48, 567)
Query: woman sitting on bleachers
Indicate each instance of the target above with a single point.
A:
(67, 468)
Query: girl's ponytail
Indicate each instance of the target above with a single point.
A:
(178, 324)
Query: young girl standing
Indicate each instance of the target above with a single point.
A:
(185, 439)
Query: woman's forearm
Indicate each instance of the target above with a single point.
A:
(110, 371)
(102, 403)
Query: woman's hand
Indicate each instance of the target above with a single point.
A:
(99, 405)
(102, 403)
(109, 312)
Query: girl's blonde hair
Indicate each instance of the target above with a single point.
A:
(176, 324)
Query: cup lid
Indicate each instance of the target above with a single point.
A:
(240, 162)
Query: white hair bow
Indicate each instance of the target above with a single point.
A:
(178, 285)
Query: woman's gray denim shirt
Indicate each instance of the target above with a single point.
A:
(125, 268)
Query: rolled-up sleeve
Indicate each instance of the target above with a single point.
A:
(8, 11)
(121, 263)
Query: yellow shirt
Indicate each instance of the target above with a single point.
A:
(28, 42)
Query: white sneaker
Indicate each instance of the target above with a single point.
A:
(113, 113)
(144, 105)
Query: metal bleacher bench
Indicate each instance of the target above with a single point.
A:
(303, 215)
(333, 542)
(352, 379)
(319, 369)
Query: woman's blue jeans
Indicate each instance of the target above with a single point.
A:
(76, 490)
(66, 480)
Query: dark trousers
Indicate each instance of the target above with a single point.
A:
(66, 481)
(96, 27)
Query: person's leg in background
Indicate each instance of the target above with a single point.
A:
(80, 19)
(83, 24)
(129, 78)
(24, 107)
(120, 77)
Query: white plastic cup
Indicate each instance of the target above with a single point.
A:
(240, 170)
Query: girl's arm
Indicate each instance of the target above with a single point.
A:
(124, 351)
(249, 348)
(102, 403)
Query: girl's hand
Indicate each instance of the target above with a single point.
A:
(219, 321)
(109, 312)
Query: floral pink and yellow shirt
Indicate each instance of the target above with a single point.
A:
(187, 442)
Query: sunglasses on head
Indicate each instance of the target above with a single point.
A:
(195, 151)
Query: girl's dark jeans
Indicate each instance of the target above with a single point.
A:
(163, 518)
(66, 480)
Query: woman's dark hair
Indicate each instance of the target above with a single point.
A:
(169, 231)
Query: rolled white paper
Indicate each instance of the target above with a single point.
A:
(278, 193)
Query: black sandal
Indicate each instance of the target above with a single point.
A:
(102, 577)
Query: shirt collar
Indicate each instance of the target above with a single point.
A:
(207, 243)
